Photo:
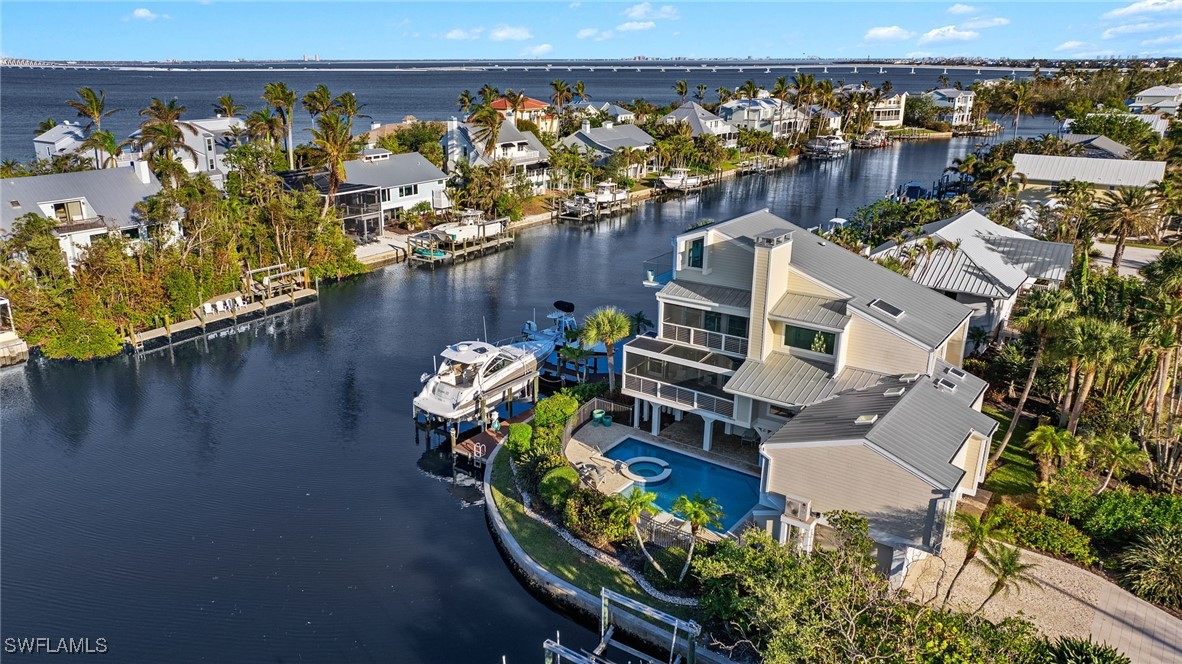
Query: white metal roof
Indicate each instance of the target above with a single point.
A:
(1102, 172)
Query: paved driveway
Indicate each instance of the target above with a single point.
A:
(1131, 262)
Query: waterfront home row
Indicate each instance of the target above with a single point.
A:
(955, 106)
(1160, 99)
(844, 373)
(604, 141)
(464, 142)
(983, 265)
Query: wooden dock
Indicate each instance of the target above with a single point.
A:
(593, 212)
(434, 250)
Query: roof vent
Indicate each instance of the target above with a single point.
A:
(886, 308)
(946, 384)
(866, 419)
(909, 378)
(956, 373)
(894, 392)
(14, 204)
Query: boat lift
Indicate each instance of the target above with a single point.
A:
(683, 638)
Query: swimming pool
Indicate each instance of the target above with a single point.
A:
(736, 492)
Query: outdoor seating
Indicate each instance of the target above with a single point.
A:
(239, 303)
(208, 309)
(220, 306)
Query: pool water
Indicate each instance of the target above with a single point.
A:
(735, 492)
(645, 468)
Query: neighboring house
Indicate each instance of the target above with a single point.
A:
(1044, 173)
(830, 121)
(1098, 146)
(956, 106)
(779, 118)
(888, 112)
(702, 123)
(763, 317)
(900, 453)
(1157, 123)
(983, 265)
(463, 143)
(1158, 99)
(85, 204)
(616, 113)
(534, 110)
(606, 140)
(61, 139)
(210, 139)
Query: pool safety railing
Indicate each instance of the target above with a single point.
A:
(617, 411)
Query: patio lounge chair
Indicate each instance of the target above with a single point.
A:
(239, 303)
(208, 309)
(220, 305)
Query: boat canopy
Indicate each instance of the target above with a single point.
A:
(469, 352)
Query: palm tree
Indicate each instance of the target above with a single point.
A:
(283, 100)
(700, 513)
(163, 141)
(1020, 100)
(724, 94)
(681, 89)
(629, 508)
(978, 336)
(465, 101)
(640, 322)
(226, 107)
(608, 325)
(973, 531)
(333, 139)
(580, 91)
(516, 101)
(1046, 443)
(1043, 314)
(576, 355)
(1119, 454)
(347, 105)
(44, 126)
(1101, 344)
(560, 94)
(1004, 564)
(700, 92)
(317, 101)
(1127, 212)
(92, 106)
(104, 143)
(264, 124)
(488, 127)
(748, 89)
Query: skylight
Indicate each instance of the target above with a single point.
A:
(956, 373)
(866, 419)
(909, 378)
(886, 308)
(894, 392)
(946, 384)
(14, 204)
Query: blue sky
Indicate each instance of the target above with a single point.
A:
(230, 29)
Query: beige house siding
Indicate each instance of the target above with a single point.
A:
(758, 326)
(872, 347)
(729, 264)
(969, 462)
(856, 478)
(954, 348)
(798, 283)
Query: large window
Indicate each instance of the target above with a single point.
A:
(808, 339)
(68, 211)
(411, 190)
(706, 320)
(695, 253)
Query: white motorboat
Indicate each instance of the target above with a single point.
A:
(607, 193)
(472, 226)
(476, 375)
(827, 147)
(561, 331)
(680, 179)
(579, 206)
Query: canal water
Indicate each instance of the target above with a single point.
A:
(256, 498)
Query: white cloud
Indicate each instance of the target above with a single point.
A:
(142, 14)
(586, 33)
(605, 35)
(1073, 46)
(887, 33)
(980, 23)
(510, 33)
(537, 51)
(645, 10)
(1146, 7)
(947, 33)
(634, 26)
(459, 34)
(1168, 39)
(961, 9)
(575, 5)
(920, 54)
(1135, 28)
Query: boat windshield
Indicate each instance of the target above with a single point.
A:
(457, 374)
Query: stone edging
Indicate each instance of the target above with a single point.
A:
(565, 592)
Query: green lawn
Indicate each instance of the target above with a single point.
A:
(1016, 472)
(552, 552)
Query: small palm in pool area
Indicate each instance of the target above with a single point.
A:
(628, 508)
(700, 513)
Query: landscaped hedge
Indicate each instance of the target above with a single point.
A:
(554, 410)
(1119, 516)
(1044, 533)
(587, 515)
(556, 485)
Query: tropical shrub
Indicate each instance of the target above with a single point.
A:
(670, 558)
(82, 338)
(587, 515)
(1117, 517)
(1044, 533)
(555, 409)
(548, 439)
(1067, 493)
(584, 392)
(520, 435)
(1153, 567)
(536, 464)
(1073, 650)
(556, 485)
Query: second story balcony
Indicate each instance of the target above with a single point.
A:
(697, 336)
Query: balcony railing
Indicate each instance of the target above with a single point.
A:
(696, 336)
(365, 210)
(658, 270)
(679, 395)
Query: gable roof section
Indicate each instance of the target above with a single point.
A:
(928, 317)
(921, 430)
(610, 139)
(396, 171)
(112, 192)
(1099, 142)
(697, 117)
(823, 311)
(528, 104)
(64, 130)
(707, 294)
(1103, 172)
